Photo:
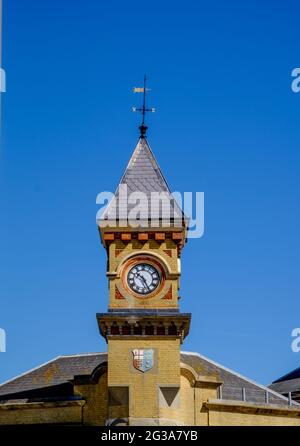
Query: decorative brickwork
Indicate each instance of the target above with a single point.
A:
(118, 294)
(168, 295)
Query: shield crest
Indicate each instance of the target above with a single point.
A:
(143, 359)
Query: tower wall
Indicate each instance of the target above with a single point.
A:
(153, 396)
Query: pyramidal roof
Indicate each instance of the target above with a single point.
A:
(144, 179)
(143, 172)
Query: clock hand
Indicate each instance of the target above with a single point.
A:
(143, 280)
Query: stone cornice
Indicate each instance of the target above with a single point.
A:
(250, 408)
(41, 405)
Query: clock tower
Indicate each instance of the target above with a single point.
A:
(143, 231)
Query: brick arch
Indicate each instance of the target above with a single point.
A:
(150, 254)
(189, 373)
(99, 371)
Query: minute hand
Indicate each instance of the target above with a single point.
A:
(143, 280)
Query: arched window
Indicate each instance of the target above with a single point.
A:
(172, 330)
(137, 330)
(161, 330)
(149, 330)
(114, 330)
(126, 330)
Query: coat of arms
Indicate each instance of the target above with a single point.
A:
(142, 359)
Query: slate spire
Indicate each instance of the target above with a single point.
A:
(143, 175)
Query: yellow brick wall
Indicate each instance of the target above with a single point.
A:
(144, 387)
(41, 415)
(192, 412)
(201, 395)
(218, 418)
(95, 409)
(187, 395)
(158, 250)
(136, 246)
(144, 401)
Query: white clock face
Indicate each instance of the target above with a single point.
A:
(143, 278)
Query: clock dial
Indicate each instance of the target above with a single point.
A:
(143, 278)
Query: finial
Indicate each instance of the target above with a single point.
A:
(143, 128)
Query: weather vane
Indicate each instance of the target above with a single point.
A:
(143, 109)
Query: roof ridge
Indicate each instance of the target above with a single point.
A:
(82, 354)
(239, 375)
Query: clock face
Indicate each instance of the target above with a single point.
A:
(143, 278)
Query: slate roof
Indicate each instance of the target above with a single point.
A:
(295, 374)
(288, 383)
(143, 174)
(233, 383)
(63, 369)
(58, 371)
(284, 387)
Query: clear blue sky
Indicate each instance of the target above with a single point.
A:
(227, 123)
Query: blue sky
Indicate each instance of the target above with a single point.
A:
(227, 123)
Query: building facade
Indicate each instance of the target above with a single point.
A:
(144, 378)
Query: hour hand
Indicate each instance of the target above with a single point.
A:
(143, 280)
